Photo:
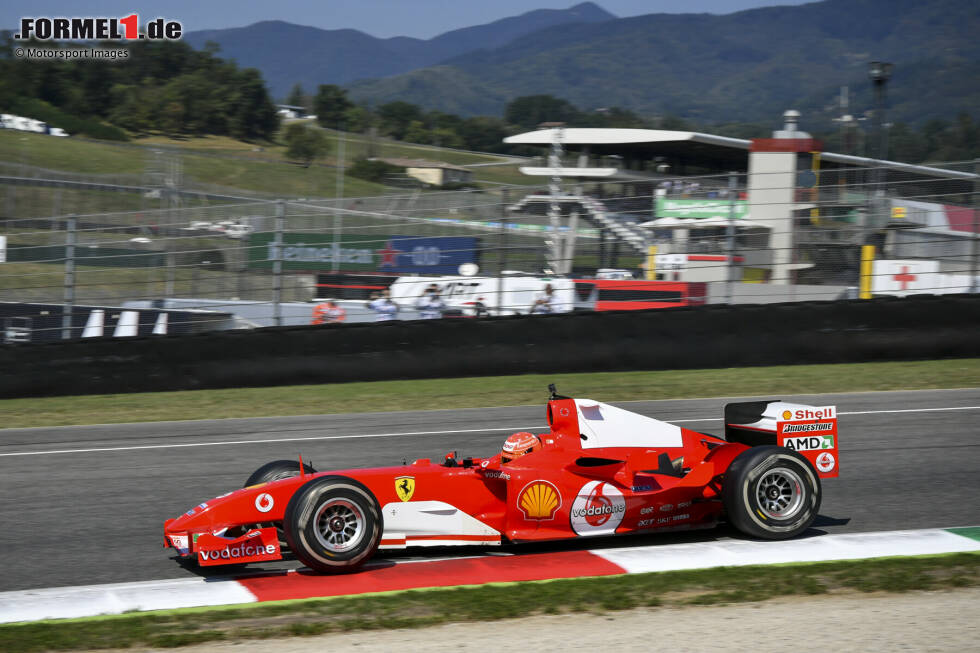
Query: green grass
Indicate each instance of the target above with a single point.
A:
(355, 146)
(69, 154)
(273, 177)
(508, 174)
(419, 608)
(258, 168)
(487, 391)
(44, 282)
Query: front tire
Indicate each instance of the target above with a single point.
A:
(771, 492)
(333, 524)
(277, 470)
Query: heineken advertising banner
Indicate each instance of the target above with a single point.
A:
(670, 208)
(395, 254)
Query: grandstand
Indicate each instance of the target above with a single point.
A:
(819, 207)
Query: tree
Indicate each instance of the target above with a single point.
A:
(530, 111)
(358, 119)
(484, 133)
(330, 104)
(609, 117)
(417, 133)
(671, 122)
(296, 96)
(304, 144)
(253, 115)
(445, 137)
(397, 116)
(373, 170)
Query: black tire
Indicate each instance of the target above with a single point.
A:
(771, 492)
(274, 471)
(333, 524)
(277, 469)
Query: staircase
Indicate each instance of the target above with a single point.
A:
(597, 214)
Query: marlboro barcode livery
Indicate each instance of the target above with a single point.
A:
(599, 470)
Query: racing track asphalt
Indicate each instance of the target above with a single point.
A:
(85, 505)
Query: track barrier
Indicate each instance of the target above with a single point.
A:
(920, 327)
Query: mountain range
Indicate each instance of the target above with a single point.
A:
(746, 66)
(287, 54)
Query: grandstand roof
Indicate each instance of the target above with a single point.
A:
(698, 148)
(703, 148)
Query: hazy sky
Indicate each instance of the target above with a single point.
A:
(383, 18)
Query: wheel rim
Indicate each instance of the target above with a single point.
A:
(780, 493)
(339, 525)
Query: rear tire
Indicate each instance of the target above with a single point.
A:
(333, 524)
(771, 492)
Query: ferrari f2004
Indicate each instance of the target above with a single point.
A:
(599, 470)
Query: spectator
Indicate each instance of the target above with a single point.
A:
(333, 314)
(430, 304)
(385, 309)
(480, 308)
(545, 302)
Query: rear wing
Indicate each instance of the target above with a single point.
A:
(809, 430)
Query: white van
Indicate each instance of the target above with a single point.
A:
(517, 293)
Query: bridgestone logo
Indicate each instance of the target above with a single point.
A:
(239, 552)
(593, 511)
(808, 428)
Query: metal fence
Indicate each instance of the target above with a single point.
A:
(74, 241)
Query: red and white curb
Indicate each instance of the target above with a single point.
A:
(384, 576)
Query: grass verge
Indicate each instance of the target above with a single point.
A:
(487, 391)
(420, 608)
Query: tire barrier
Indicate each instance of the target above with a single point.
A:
(921, 327)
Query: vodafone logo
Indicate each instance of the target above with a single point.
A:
(245, 551)
(264, 502)
(826, 461)
(598, 509)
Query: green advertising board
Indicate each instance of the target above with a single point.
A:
(375, 252)
(696, 208)
(316, 251)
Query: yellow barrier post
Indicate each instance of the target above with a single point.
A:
(652, 263)
(867, 258)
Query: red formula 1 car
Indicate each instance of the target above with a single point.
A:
(600, 470)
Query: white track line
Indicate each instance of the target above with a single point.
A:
(266, 441)
(413, 433)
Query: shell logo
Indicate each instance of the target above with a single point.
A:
(787, 414)
(539, 500)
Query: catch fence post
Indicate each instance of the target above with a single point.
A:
(277, 263)
(338, 217)
(730, 235)
(69, 304)
(975, 254)
(502, 250)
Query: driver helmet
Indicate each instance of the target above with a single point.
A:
(519, 444)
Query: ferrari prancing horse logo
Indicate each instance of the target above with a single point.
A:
(404, 487)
